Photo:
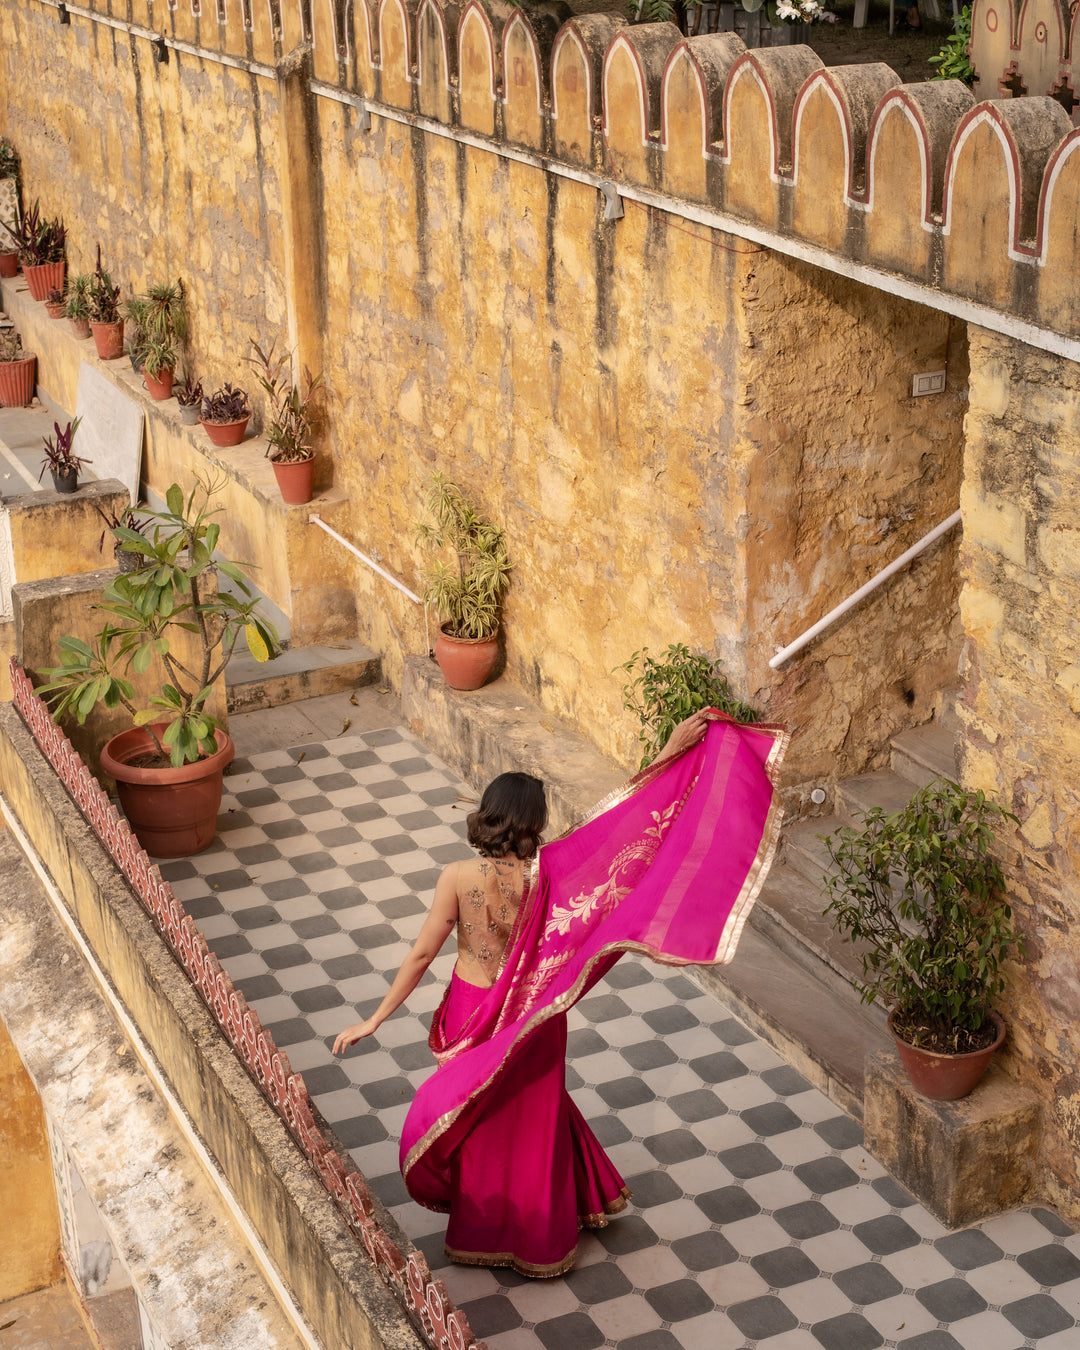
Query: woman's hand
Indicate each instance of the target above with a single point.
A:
(689, 731)
(355, 1033)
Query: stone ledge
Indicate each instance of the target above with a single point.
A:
(299, 673)
(965, 1160)
(306, 1238)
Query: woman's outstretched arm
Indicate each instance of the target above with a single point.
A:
(689, 731)
(437, 927)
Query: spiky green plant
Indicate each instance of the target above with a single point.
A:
(467, 593)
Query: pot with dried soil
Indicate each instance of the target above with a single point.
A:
(177, 750)
(17, 369)
(923, 892)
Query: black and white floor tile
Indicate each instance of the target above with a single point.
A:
(758, 1219)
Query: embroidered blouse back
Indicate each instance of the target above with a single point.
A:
(489, 894)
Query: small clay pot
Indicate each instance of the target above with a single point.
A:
(224, 434)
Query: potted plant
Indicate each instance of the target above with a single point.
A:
(158, 329)
(669, 688)
(60, 459)
(189, 395)
(225, 414)
(291, 408)
(158, 365)
(55, 305)
(9, 207)
(40, 242)
(467, 593)
(16, 371)
(106, 322)
(169, 765)
(77, 306)
(126, 519)
(924, 893)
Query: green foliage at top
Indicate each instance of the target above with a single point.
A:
(158, 326)
(466, 593)
(169, 592)
(923, 890)
(952, 61)
(668, 688)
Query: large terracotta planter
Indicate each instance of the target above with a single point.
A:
(41, 278)
(296, 482)
(17, 382)
(946, 1078)
(173, 812)
(108, 339)
(224, 434)
(159, 386)
(466, 663)
(9, 264)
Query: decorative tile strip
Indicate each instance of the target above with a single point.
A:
(443, 1326)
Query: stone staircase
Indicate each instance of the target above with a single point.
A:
(792, 977)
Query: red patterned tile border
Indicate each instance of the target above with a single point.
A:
(444, 1327)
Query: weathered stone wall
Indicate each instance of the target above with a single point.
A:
(1025, 47)
(1021, 709)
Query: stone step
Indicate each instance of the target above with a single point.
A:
(803, 849)
(856, 796)
(298, 673)
(924, 754)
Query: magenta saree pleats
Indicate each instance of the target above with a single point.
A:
(670, 867)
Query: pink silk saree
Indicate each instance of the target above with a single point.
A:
(668, 866)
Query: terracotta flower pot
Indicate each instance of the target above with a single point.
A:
(466, 663)
(81, 327)
(159, 386)
(108, 339)
(41, 278)
(226, 433)
(296, 481)
(946, 1078)
(54, 309)
(9, 264)
(173, 812)
(17, 382)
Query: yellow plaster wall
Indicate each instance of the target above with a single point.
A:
(27, 1193)
(1021, 710)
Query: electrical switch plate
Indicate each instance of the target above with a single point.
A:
(931, 383)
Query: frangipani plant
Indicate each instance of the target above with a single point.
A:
(168, 592)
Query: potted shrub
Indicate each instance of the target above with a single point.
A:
(9, 207)
(40, 242)
(158, 329)
(189, 395)
(169, 765)
(106, 322)
(158, 365)
(16, 371)
(467, 593)
(288, 436)
(55, 305)
(669, 688)
(923, 892)
(126, 519)
(77, 305)
(225, 414)
(60, 459)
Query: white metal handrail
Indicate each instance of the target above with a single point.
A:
(318, 520)
(785, 653)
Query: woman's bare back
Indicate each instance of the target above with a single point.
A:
(489, 895)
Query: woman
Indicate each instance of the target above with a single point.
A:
(493, 1137)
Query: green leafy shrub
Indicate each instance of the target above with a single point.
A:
(952, 61)
(466, 594)
(670, 687)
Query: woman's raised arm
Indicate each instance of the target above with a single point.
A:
(437, 926)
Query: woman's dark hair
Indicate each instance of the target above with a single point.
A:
(511, 818)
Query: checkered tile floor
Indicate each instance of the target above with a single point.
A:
(757, 1220)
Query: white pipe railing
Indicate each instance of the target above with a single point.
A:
(318, 520)
(785, 653)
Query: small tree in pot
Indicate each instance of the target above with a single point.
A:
(466, 594)
(288, 443)
(176, 742)
(923, 891)
(106, 322)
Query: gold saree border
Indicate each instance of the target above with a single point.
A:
(728, 941)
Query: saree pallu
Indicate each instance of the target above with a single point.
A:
(669, 866)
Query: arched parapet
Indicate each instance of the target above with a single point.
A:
(759, 103)
(1059, 252)
(296, 22)
(436, 55)
(1042, 35)
(180, 20)
(480, 31)
(577, 68)
(991, 51)
(910, 134)
(265, 32)
(1070, 82)
(692, 109)
(329, 41)
(993, 185)
(526, 41)
(832, 116)
(361, 19)
(395, 55)
(633, 75)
